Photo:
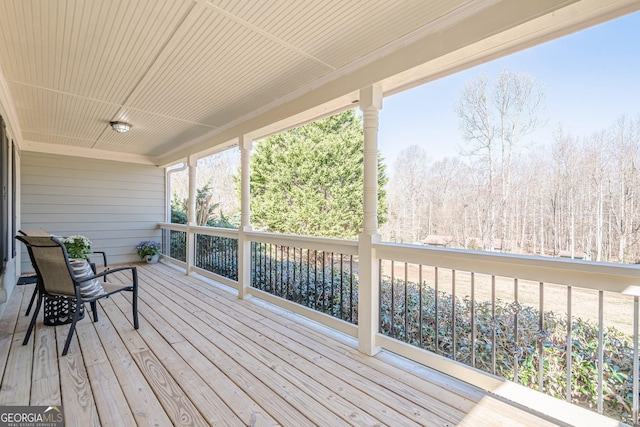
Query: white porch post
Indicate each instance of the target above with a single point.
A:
(191, 213)
(244, 244)
(368, 289)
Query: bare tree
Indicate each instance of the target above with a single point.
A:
(493, 120)
(409, 200)
(624, 143)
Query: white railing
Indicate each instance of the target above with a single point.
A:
(310, 276)
(461, 294)
(481, 310)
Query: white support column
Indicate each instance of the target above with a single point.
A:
(191, 213)
(244, 244)
(368, 287)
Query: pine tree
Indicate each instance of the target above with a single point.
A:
(309, 180)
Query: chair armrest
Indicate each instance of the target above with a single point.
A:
(107, 272)
(104, 257)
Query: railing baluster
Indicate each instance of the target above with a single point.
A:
(264, 266)
(494, 323)
(515, 332)
(280, 263)
(437, 325)
(473, 321)
(266, 273)
(351, 288)
(294, 285)
(541, 336)
(569, 343)
(283, 273)
(252, 273)
(636, 356)
(315, 279)
(258, 272)
(324, 290)
(393, 302)
(254, 263)
(600, 349)
(308, 276)
(406, 303)
(380, 325)
(453, 312)
(289, 272)
(274, 269)
(260, 277)
(333, 278)
(420, 287)
(267, 266)
(342, 286)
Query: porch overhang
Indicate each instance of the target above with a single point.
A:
(195, 86)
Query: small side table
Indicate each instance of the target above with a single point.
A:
(58, 309)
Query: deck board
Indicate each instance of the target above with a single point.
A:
(203, 357)
(269, 345)
(75, 388)
(15, 388)
(282, 372)
(143, 403)
(104, 382)
(45, 376)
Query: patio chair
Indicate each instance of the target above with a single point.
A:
(57, 284)
(32, 279)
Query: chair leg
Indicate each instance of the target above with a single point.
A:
(134, 304)
(33, 297)
(94, 309)
(76, 316)
(32, 324)
(135, 298)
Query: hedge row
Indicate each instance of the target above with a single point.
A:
(515, 350)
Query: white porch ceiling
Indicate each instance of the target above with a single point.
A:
(191, 74)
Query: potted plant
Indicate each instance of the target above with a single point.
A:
(78, 247)
(149, 251)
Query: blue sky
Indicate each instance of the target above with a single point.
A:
(590, 78)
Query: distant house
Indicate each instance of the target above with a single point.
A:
(499, 245)
(576, 255)
(437, 240)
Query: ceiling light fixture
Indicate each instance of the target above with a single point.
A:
(120, 127)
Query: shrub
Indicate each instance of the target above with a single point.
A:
(525, 346)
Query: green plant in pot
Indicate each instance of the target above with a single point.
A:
(78, 247)
(149, 251)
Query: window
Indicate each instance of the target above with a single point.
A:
(4, 196)
(14, 198)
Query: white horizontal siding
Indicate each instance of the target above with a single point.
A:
(116, 205)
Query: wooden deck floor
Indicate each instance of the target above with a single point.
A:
(203, 357)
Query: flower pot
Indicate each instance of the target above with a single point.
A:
(151, 259)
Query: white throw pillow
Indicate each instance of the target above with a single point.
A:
(82, 269)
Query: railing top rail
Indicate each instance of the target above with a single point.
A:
(343, 246)
(168, 226)
(215, 231)
(621, 278)
(209, 231)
